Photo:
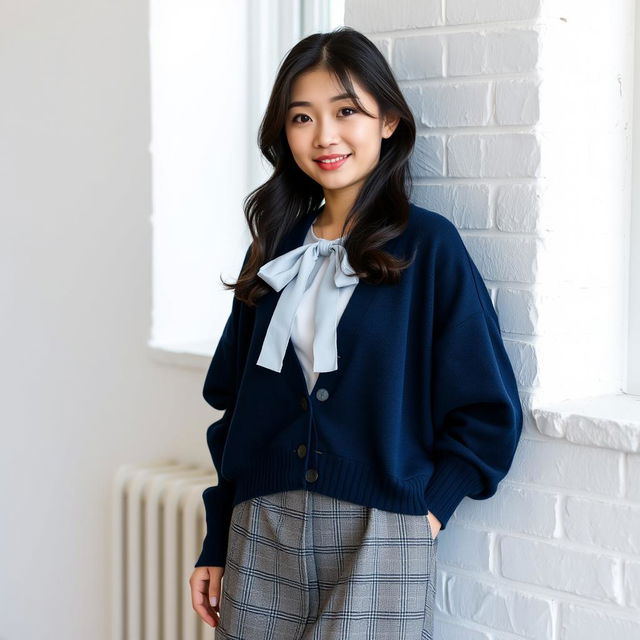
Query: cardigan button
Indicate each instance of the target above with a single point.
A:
(322, 394)
(311, 475)
(304, 403)
(302, 450)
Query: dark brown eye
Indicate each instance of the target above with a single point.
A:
(303, 115)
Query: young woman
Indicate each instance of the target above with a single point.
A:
(365, 384)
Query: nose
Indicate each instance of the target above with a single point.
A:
(326, 133)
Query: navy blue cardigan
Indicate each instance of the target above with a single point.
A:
(422, 411)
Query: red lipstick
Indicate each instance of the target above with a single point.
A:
(334, 164)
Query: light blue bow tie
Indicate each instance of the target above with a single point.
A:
(292, 270)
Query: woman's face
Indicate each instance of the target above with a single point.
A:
(325, 126)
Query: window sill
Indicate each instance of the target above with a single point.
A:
(609, 421)
(191, 356)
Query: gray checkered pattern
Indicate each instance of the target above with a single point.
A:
(302, 565)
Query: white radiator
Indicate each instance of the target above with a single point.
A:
(158, 529)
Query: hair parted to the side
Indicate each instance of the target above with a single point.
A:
(381, 209)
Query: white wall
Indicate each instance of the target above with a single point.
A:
(80, 392)
(523, 109)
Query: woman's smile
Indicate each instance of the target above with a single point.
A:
(332, 163)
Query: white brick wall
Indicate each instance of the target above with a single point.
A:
(522, 114)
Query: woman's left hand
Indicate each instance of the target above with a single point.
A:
(435, 524)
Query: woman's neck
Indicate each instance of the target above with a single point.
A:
(327, 226)
(324, 233)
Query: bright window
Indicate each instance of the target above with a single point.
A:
(211, 74)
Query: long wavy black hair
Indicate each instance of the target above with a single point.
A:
(381, 210)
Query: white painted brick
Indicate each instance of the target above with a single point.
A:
(492, 290)
(500, 608)
(465, 54)
(503, 51)
(418, 57)
(468, 11)
(582, 623)
(466, 205)
(428, 155)
(632, 480)
(464, 156)
(452, 629)
(517, 207)
(555, 566)
(413, 95)
(455, 105)
(512, 509)
(464, 547)
(510, 155)
(518, 310)
(502, 257)
(565, 466)
(527, 401)
(501, 155)
(441, 594)
(512, 51)
(370, 16)
(632, 584)
(517, 102)
(602, 523)
(524, 361)
(501, 636)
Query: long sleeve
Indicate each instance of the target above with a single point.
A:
(476, 410)
(220, 391)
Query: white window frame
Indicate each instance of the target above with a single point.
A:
(632, 385)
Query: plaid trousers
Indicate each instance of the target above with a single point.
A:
(302, 565)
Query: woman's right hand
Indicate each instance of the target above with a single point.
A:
(205, 584)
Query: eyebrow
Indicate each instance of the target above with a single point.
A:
(304, 103)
